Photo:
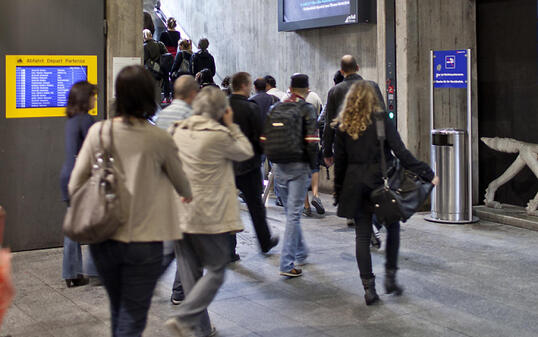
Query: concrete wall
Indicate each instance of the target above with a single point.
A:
(244, 36)
(420, 27)
(124, 38)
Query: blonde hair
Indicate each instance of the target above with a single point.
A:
(361, 100)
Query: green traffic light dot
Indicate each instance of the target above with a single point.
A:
(391, 115)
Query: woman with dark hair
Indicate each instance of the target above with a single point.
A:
(148, 23)
(357, 172)
(205, 79)
(171, 37)
(80, 100)
(202, 59)
(129, 263)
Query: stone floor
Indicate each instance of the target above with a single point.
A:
(471, 280)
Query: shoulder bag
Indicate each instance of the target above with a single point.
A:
(97, 208)
(403, 192)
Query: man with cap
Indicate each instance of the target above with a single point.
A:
(292, 169)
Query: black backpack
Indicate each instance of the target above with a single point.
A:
(283, 137)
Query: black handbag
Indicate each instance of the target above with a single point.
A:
(403, 192)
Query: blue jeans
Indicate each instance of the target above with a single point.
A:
(72, 261)
(292, 181)
(129, 272)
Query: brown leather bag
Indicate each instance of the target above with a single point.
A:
(99, 207)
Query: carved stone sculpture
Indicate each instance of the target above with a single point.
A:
(528, 156)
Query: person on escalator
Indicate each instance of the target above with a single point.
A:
(203, 59)
(171, 37)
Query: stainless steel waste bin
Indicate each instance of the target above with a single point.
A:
(449, 157)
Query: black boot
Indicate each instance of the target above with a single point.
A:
(370, 295)
(391, 286)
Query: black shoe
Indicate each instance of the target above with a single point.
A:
(307, 212)
(316, 202)
(278, 202)
(370, 295)
(391, 286)
(272, 243)
(350, 222)
(77, 282)
(235, 257)
(176, 299)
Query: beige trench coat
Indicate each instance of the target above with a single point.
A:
(207, 149)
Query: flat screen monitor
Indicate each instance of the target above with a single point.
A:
(38, 85)
(306, 14)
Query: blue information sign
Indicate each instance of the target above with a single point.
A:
(450, 69)
(46, 87)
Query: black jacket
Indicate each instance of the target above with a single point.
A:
(177, 63)
(264, 102)
(357, 169)
(335, 99)
(202, 60)
(247, 116)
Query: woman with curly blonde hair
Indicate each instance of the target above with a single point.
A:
(358, 172)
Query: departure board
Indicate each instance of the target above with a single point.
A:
(39, 85)
(46, 87)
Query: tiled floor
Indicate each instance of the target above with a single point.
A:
(471, 280)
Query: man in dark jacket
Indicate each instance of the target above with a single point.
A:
(293, 165)
(263, 99)
(247, 173)
(337, 94)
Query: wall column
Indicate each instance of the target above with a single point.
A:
(124, 37)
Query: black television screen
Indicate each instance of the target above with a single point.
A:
(305, 14)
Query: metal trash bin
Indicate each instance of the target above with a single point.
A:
(449, 157)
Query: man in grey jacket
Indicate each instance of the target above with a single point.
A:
(185, 90)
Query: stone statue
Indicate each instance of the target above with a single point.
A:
(528, 155)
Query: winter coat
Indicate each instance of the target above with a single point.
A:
(152, 175)
(207, 149)
(357, 169)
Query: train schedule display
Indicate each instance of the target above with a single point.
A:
(38, 85)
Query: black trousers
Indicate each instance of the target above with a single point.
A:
(250, 184)
(363, 232)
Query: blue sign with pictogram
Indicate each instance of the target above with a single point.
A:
(450, 69)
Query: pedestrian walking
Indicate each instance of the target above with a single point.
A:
(358, 172)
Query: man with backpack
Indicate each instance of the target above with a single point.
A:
(291, 141)
(157, 60)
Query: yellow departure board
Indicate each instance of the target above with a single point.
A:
(38, 85)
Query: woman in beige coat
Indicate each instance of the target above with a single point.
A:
(208, 142)
(129, 264)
